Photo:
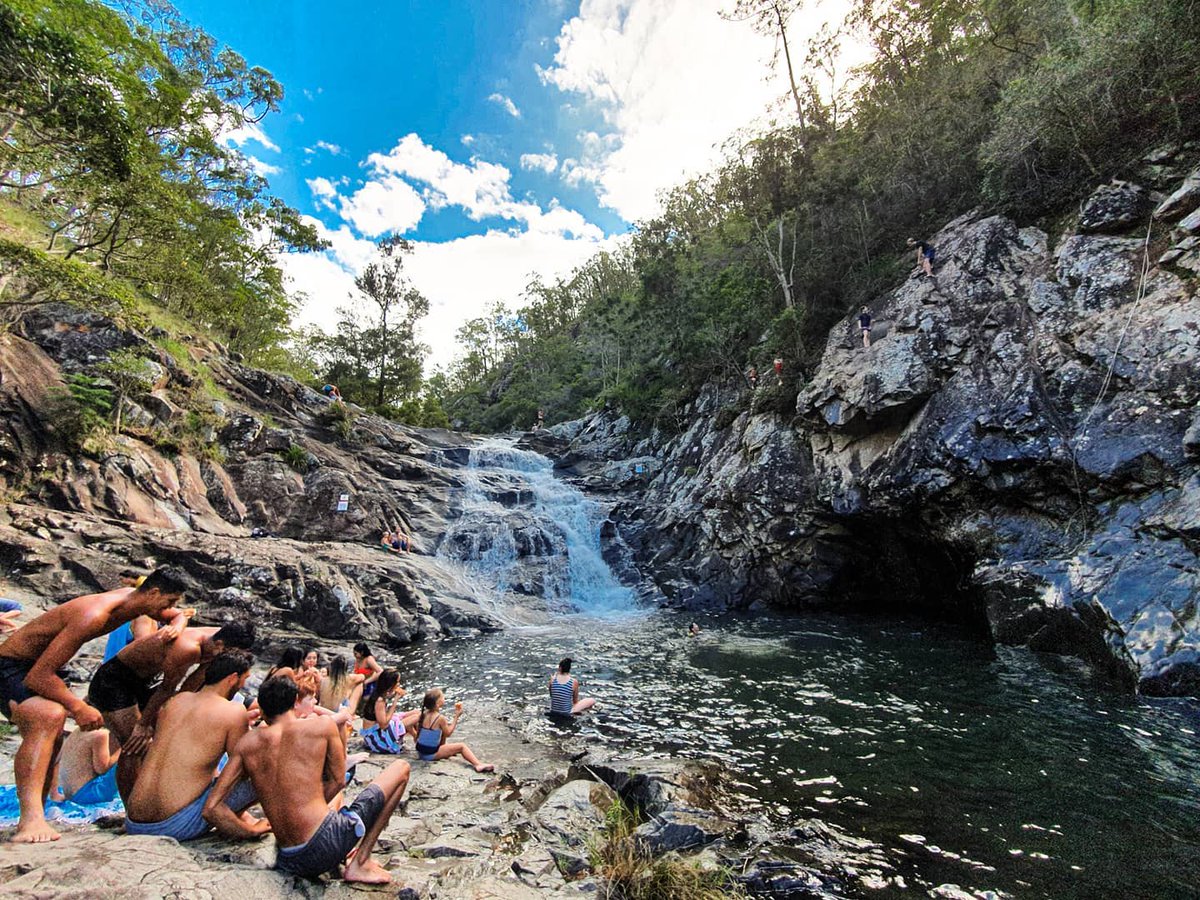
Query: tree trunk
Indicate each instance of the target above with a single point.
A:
(383, 354)
(787, 55)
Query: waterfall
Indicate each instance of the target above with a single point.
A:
(523, 533)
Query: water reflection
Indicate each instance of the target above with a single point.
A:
(968, 766)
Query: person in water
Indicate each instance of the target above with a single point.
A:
(87, 767)
(175, 786)
(694, 629)
(864, 324)
(431, 729)
(369, 668)
(298, 766)
(35, 698)
(925, 255)
(383, 730)
(564, 692)
(132, 687)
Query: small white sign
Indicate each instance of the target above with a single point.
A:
(343, 502)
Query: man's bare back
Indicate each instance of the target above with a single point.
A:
(193, 731)
(292, 763)
(153, 654)
(91, 611)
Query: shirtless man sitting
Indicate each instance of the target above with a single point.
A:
(35, 699)
(176, 780)
(298, 766)
(124, 689)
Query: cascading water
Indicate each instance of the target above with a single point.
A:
(523, 532)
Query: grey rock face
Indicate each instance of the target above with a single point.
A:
(1021, 438)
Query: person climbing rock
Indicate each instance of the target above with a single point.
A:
(331, 391)
(779, 370)
(925, 255)
(864, 324)
(752, 377)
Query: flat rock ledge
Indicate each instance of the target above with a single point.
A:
(524, 831)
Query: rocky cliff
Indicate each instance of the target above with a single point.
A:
(1019, 448)
(231, 473)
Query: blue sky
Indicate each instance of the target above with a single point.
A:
(509, 139)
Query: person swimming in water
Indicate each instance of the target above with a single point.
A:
(564, 692)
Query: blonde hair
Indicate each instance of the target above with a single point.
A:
(308, 682)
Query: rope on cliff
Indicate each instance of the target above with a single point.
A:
(1112, 365)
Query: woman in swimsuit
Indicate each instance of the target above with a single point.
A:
(341, 687)
(384, 729)
(369, 668)
(290, 662)
(564, 692)
(431, 729)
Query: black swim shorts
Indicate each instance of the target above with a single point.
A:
(12, 683)
(116, 686)
(334, 838)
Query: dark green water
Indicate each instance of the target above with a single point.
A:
(966, 766)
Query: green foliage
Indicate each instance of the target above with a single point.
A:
(296, 457)
(725, 417)
(772, 397)
(631, 872)
(1013, 105)
(78, 412)
(130, 374)
(110, 121)
(29, 275)
(338, 418)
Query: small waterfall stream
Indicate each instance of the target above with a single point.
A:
(529, 538)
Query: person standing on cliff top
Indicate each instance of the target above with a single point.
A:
(925, 255)
(35, 699)
(297, 767)
(132, 687)
(864, 323)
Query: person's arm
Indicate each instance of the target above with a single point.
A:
(175, 667)
(376, 670)
(333, 779)
(103, 758)
(216, 811)
(575, 690)
(43, 678)
(450, 726)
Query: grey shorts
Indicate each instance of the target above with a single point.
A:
(335, 837)
(189, 823)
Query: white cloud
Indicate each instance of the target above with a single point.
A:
(545, 162)
(467, 140)
(333, 149)
(262, 168)
(383, 205)
(506, 102)
(672, 80)
(460, 277)
(324, 192)
(250, 132)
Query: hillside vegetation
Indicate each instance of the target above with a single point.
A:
(1019, 106)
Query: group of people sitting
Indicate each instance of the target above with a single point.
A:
(164, 727)
(396, 541)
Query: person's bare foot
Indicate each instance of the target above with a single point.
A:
(370, 872)
(485, 767)
(57, 796)
(35, 833)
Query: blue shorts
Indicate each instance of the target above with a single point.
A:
(12, 683)
(7, 605)
(101, 789)
(335, 836)
(189, 823)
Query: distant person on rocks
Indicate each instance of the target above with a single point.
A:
(369, 668)
(298, 767)
(779, 370)
(331, 391)
(541, 420)
(129, 632)
(132, 687)
(35, 698)
(925, 255)
(864, 324)
(383, 730)
(174, 790)
(564, 692)
(431, 729)
(694, 630)
(290, 662)
(752, 377)
(388, 541)
(87, 767)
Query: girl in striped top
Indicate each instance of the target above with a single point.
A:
(564, 692)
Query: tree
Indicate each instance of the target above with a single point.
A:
(384, 283)
(130, 374)
(771, 17)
